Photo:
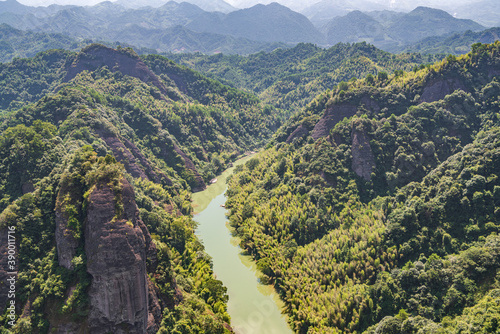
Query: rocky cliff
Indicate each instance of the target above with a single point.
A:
(438, 89)
(117, 246)
(332, 116)
(363, 162)
(66, 241)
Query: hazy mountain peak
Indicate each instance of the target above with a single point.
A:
(12, 6)
(207, 5)
(323, 11)
(423, 22)
(353, 27)
(423, 10)
(212, 5)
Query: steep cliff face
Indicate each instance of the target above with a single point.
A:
(117, 245)
(438, 89)
(363, 162)
(65, 233)
(299, 132)
(332, 116)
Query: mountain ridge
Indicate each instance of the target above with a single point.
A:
(256, 23)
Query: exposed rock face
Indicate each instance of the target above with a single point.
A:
(299, 132)
(154, 310)
(332, 116)
(123, 155)
(95, 56)
(27, 187)
(122, 300)
(363, 161)
(437, 90)
(65, 240)
(153, 175)
(370, 104)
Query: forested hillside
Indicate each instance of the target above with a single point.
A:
(373, 207)
(376, 208)
(456, 44)
(290, 78)
(22, 44)
(100, 151)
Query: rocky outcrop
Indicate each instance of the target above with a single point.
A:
(299, 132)
(153, 175)
(66, 242)
(154, 309)
(332, 116)
(124, 61)
(28, 187)
(438, 89)
(363, 162)
(117, 245)
(370, 104)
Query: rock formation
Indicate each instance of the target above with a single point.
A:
(438, 89)
(122, 300)
(332, 116)
(299, 132)
(131, 157)
(363, 162)
(66, 242)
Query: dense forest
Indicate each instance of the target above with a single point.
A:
(99, 148)
(375, 209)
(289, 79)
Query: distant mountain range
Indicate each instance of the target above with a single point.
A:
(218, 27)
(207, 5)
(458, 43)
(22, 44)
(270, 23)
(424, 22)
(485, 12)
(322, 12)
(391, 30)
(164, 29)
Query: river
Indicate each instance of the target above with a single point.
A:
(254, 308)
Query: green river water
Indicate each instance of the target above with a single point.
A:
(254, 308)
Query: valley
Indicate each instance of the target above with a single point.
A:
(319, 175)
(253, 307)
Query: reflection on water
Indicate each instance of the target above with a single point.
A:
(254, 308)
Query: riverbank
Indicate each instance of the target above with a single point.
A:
(254, 308)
